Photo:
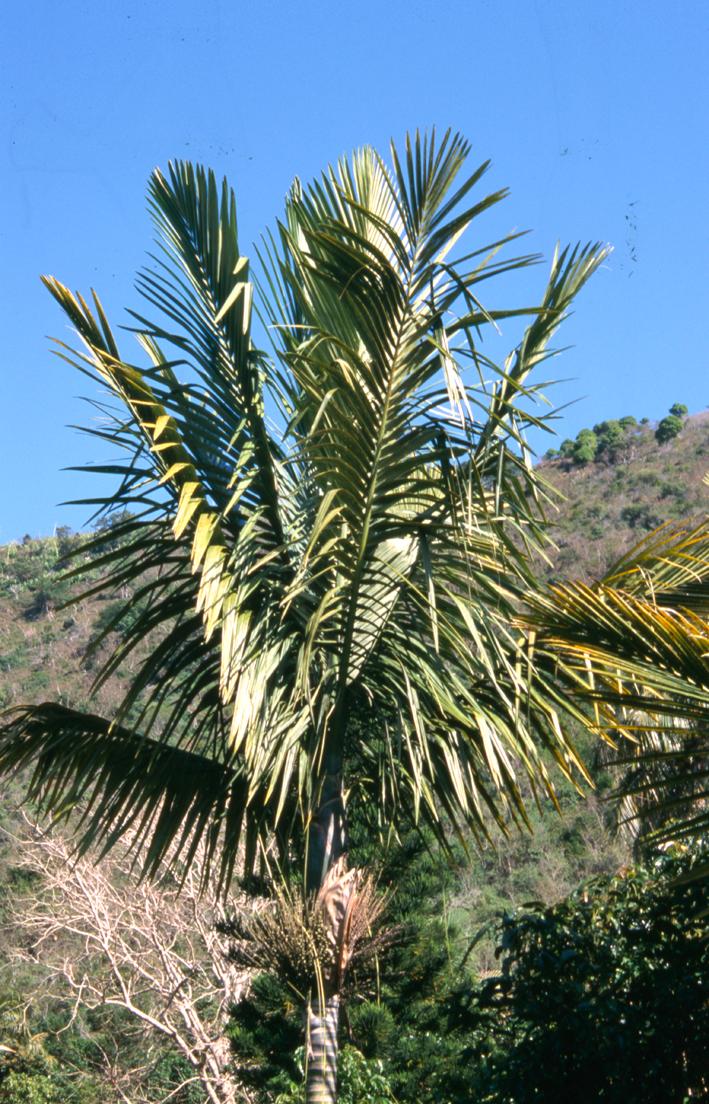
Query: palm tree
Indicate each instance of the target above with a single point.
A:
(333, 530)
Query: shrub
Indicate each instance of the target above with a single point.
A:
(669, 428)
(599, 998)
(584, 453)
(28, 1088)
(640, 517)
(585, 447)
(679, 410)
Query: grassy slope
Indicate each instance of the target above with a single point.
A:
(42, 644)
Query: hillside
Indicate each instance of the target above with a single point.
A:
(609, 504)
(43, 646)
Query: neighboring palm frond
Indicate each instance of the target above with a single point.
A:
(671, 566)
(643, 669)
(662, 789)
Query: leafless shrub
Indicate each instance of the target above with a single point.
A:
(102, 939)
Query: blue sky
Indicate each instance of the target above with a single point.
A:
(593, 112)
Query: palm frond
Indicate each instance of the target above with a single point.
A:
(671, 565)
(662, 790)
(366, 258)
(116, 780)
(643, 669)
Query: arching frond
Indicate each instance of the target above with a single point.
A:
(671, 565)
(643, 668)
(169, 798)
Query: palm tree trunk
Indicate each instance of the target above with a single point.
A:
(327, 838)
(327, 842)
(321, 1051)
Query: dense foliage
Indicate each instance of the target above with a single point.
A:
(669, 427)
(601, 997)
(44, 1063)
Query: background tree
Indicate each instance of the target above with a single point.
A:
(152, 951)
(608, 440)
(670, 426)
(585, 447)
(612, 440)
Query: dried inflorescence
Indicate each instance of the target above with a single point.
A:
(311, 942)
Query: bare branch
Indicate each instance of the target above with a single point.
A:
(148, 948)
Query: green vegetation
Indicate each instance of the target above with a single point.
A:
(669, 428)
(47, 1063)
(585, 446)
(610, 441)
(617, 440)
(598, 997)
